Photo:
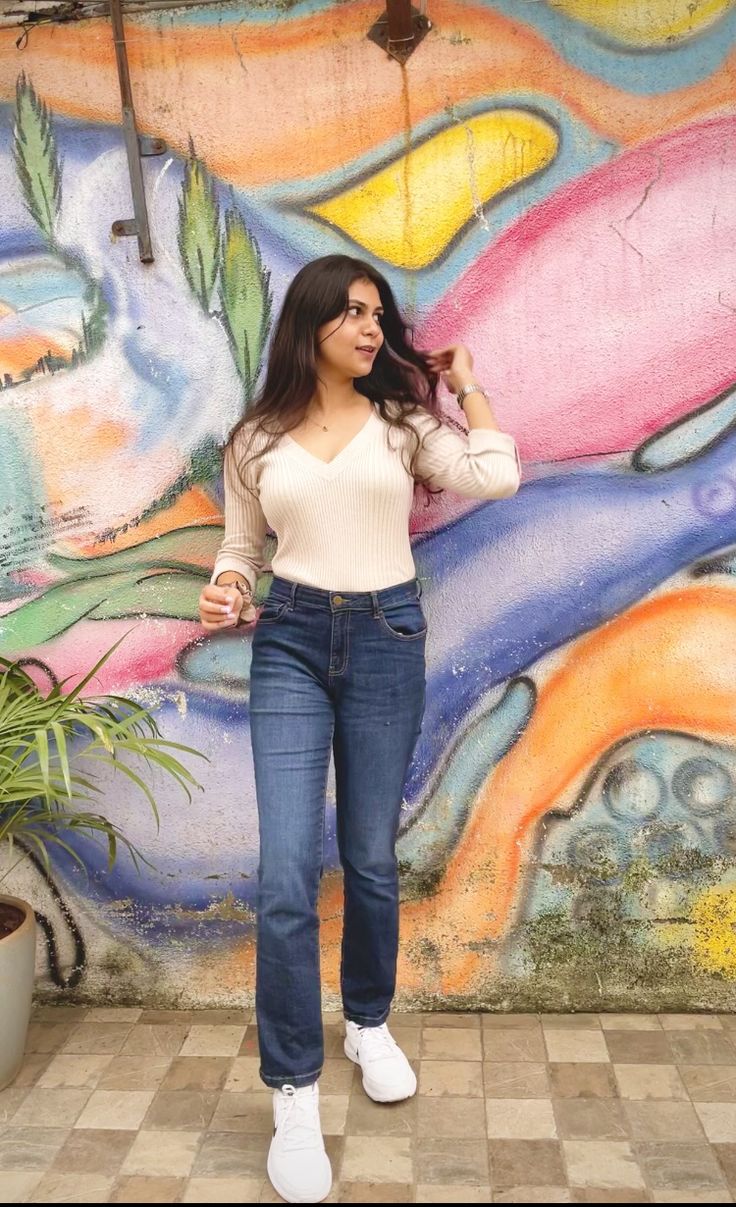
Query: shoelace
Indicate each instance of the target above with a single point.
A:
(377, 1042)
(297, 1119)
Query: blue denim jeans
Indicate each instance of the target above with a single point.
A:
(341, 673)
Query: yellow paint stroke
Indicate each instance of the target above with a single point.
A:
(646, 22)
(714, 915)
(409, 212)
(667, 664)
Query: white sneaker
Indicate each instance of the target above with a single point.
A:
(387, 1074)
(298, 1165)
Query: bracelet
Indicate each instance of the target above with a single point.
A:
(243, 587)
(473, 388)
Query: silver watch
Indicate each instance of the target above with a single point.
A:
(473, 388)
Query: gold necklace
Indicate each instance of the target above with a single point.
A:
(319, 425)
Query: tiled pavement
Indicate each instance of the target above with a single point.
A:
(132, 1106)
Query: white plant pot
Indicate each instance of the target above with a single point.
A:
(17, 967)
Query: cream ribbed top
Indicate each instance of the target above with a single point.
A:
(343, 525)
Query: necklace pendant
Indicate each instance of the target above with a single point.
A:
(325, 429)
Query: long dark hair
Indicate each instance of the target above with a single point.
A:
(399, 383)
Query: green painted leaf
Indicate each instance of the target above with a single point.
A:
(245, 297)
(199, 231)
(36, 157)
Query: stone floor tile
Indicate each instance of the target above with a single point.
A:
(10, 1100)
(449, 1043)
(97, 1039)
(600, 1195)
(718, 1120)
(48, 1037)
(249, 1042)
(336, 1018)
(638, 1047)
(505, 1022)
(693, 1022)
(212, 1040)
(427, 1193)
(726, 1157)
(134, 1073)
(33, 1067)
(43, 1107)
(368, 1118)
(526, 1163)
(679, 1166)
(338, 1077)
(520, 1119)
(118, 1109)
(518, 1043)
(385, 1159)
(406, 1018)
(587, 1080)
(534, 1194)
(243, 1113)
(650, 1120)
(576, 1044)
(85, 1151)
(162, 1154)
(630, 1022)
(30, 1148)
(155, 1039)
(444, 1161)
(113, 1014)
(17, 1186)
(438, 1018)
(604, 1164)
(377, 1192)
(451, 1078)
(231, 1155)
(176, 1018)
(597, 1194)
(515, 1079)
(333, 1110)
(702, 1047)
(243, 1075)
(83, 1072)
(58, 1187)
(222, 1190)
(727, 1021)
(710, 1083)
(649, 1081)
(691, 1196)
(137, 1188)
(465, 1118)
(181, 1110)
(237, 1017)
(556, 1022)
(58, 1014)
(334, 1041)
(196, 1072)
(590, 1119)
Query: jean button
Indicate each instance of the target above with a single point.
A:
(338, 599)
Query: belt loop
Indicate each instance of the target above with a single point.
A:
(293, 596)
(419, 589)
(376, 606)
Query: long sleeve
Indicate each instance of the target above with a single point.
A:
(484, 466)
(245, 525)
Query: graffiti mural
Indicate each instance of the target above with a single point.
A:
(551, 183)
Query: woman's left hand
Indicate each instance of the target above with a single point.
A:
(454, 363)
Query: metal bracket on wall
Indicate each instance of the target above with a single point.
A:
(135, 145)
(400, 29)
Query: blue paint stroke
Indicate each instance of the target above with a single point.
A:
(686, 438)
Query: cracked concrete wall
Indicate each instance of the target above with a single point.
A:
(548, 181)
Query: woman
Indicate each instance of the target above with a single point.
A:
(327, 457)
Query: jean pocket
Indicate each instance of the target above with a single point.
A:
(272, 611)
(404, 621)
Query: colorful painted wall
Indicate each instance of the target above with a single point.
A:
(553, 183)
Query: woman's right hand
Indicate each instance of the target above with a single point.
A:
(220, 607)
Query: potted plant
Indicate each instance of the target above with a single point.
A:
(52, 746)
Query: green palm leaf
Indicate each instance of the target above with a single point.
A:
(199, 230)
(245, 297)
(36, 157)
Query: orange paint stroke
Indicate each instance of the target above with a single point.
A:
(23, 353)
(193, 509)
(272, 103)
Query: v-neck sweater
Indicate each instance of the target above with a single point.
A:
(343, 525)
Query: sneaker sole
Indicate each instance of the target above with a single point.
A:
(377, 1097)
(291, 1196)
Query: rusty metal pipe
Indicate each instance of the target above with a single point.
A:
(400, 22)
(130, 133)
